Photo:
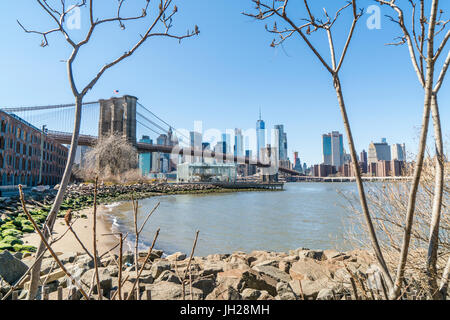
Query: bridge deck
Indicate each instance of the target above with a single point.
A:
(66, 138)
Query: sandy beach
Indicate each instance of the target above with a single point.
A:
(83, 227)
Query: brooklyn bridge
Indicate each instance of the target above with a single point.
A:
(125, 116)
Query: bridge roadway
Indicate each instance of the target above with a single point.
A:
(84, 140)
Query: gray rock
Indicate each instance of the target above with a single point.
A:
(255, 280)
(270, 262)
(113, 270)
(272, 272)
(11, 268)
(128, 257)
(168, 276)
(18, 255)
(177, 256)
(285, 292)
(146, 277)
(67, 257)
(309, 288)
(252, 294)
(325, 294)
(308, 268)
(171, 291)
(158, 267)
(105, 280)
(205, 285)
(211, 268)
(224, 292)
(313, 254)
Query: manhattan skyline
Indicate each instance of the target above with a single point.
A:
(226, 74)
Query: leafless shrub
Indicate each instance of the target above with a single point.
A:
(388, 201)
(113, 159)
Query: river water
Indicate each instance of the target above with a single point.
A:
(311, 215)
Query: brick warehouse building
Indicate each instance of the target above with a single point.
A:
(20, 154)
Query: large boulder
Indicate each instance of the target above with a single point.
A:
(285, 292)
(206, 285)
(224, 291)
(313, 254)
(145, 277)
(11, 268)
(105, 280)
(309, 288)
(211, 268)
(325, 294)
(171, 291)
(255, 280)
(158, 267)
(253, 294)
(308, 268)
(168, 276)
(272, 272)
(177, 256)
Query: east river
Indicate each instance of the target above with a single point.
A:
(311, 215)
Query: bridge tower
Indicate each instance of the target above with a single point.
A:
(118, 116)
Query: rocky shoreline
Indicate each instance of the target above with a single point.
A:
(260, 275)
(14, 224)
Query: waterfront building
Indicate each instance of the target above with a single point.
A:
(206, 172)
(269, 155)
(333, 149)
(398, 168)
(344, 170)
(379, 151)
(323, 170)
(27, 155)
(383, 168)
(145, 159)
(305, 168)
(260, 135)
(398, 152)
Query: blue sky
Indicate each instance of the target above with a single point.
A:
(224, 76)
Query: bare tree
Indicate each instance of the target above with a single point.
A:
(112, 158)
(305, 27)
(159, 26)
(424, 63)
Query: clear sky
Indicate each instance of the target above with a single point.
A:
(223, 76)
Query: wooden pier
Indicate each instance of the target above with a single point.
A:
(250, 185)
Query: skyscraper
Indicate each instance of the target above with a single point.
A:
(379, 151)
(238, 143)
(196, 144)
(398, 152)
(281, 142)
(164, 158)
(363, 156)
(333, 149)
(145, 159)
(227, 139)
(260, 135)
(297, 162)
